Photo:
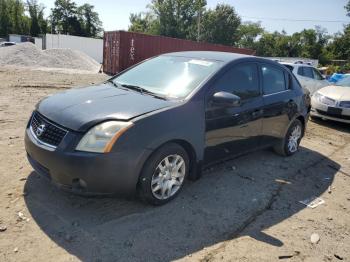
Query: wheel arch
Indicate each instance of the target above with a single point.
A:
(195, 165)
(302, 119)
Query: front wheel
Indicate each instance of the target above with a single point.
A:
(290, 143)
(163, 174)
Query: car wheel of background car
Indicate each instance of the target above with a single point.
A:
(290, 143)
(163, 174)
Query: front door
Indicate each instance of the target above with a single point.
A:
(234, 130)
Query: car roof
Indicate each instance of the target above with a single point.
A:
(293, 64)
(210, 55)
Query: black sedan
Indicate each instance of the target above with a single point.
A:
(153, 126)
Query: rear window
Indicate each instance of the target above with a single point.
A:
(273, 79)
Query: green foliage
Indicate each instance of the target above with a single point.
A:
(340, 47)
(176, 18)
(220, 25)
(12, 18)
(190, 19)
(67, 18)
(64, 17)
(248, 34)
(89, 20)
(38, 24)
(144, 23)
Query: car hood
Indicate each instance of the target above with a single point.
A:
(339, 93)
(80, 108)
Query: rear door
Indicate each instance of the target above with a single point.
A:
(278, 102)
(234, 130)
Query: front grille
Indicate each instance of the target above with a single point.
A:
(46, 131)
(340, 116)
(344, 104)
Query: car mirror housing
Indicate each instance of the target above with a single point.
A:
(226, 99)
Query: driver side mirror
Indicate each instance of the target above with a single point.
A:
(226, 99)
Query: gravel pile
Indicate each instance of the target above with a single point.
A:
(28, 55)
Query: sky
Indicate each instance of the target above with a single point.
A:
(273, 14)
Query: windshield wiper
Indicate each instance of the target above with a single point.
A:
(143, 91)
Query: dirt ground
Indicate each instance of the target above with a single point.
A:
(246, 209)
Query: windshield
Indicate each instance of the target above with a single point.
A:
(169, 76)
(344, 82)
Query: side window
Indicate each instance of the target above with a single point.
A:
(273, 79)
(241, 80)
(317, 74)
(308, 72)
(300, 71)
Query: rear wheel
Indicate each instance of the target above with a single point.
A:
(290, 143)
(163, 175)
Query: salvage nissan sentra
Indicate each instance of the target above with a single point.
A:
(151, 127)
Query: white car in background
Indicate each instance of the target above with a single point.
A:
(309, 77)
(4, 44)
(332, 102)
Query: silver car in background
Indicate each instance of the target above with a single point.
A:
(332, 102)
(309, 77)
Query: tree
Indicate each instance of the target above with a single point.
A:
(38, 24)
(248, 33)
(340, 47)
(174, 18)
(64, 17)
(347, 8)
(145, 22)
(5, 25)
(276, 44)
(12, 18)
(89, 20)
(220, 25)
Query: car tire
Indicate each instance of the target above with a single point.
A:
(163, 174)
(289, 145)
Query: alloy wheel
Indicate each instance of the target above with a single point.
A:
(168, 177)
(293, 141)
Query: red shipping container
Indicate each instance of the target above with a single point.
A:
(123, 49)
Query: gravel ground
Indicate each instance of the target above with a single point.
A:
(65, 59)
(245, 209)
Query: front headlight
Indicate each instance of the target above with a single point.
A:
(324, 99)
(101, 138)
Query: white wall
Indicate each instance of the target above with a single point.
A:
(15, 38)
(38, 41)
(90, 46)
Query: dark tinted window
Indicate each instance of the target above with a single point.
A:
(273, 79)
(241, 80)
(307, 72)
(300, 71)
